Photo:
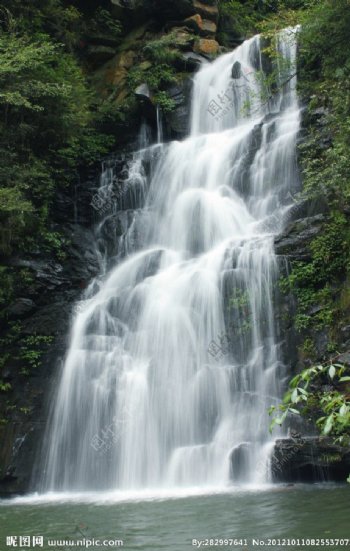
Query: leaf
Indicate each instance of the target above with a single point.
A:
(278, 420)
(293, 410)
(331, 371)
(329, 425)
(343, 410)
(344, 379)
(294, 396)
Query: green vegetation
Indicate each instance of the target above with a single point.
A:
(323, 82)
(32, 349)
(314, 282)
(321, 394)
(48, 116)
(251, 16)
(158, 67)
(320, 283)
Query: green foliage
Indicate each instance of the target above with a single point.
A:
(60, 21)
(324, 81)
(54, 242)
(311, 281)
(251, 16)
(162, 50)
(6, 285)
(157, 77)
(105, 23)
(4, 387)
(319, 393)
(158, 68)
(246, 16)
(32, 349)
(47, 129)
(162, 99)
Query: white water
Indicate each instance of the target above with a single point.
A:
(161, 388)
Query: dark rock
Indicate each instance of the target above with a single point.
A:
(345, 331)
(310, 459)
(103, 40)
(49, 320)
(192, 61)
(178, 119)
(184, 40)
(344, 358)
(98, 53)
(320, 340)
(236, 70)
(21, 308)
(238, 462)
(208, 28)
(204, 27)
(195, 22)
(207, 10)
(168, 9)
(295, 241)
(316, 116)
(144, 96)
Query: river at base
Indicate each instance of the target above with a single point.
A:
(159, 522)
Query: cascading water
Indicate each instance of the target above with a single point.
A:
(174, 361)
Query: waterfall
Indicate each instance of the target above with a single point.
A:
(174, 360)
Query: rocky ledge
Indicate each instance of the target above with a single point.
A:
(310, 459)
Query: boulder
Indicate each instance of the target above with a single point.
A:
(194, 22)
(206, 47)
(236, 71)
(208, 11)
(309, 459)
(183, 39)
(192, 61)
(178, 118)
(208, 28)
(201, 26)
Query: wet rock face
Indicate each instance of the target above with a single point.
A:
(295, 240)
(311, 459)
(44, 316)
(178, 119)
